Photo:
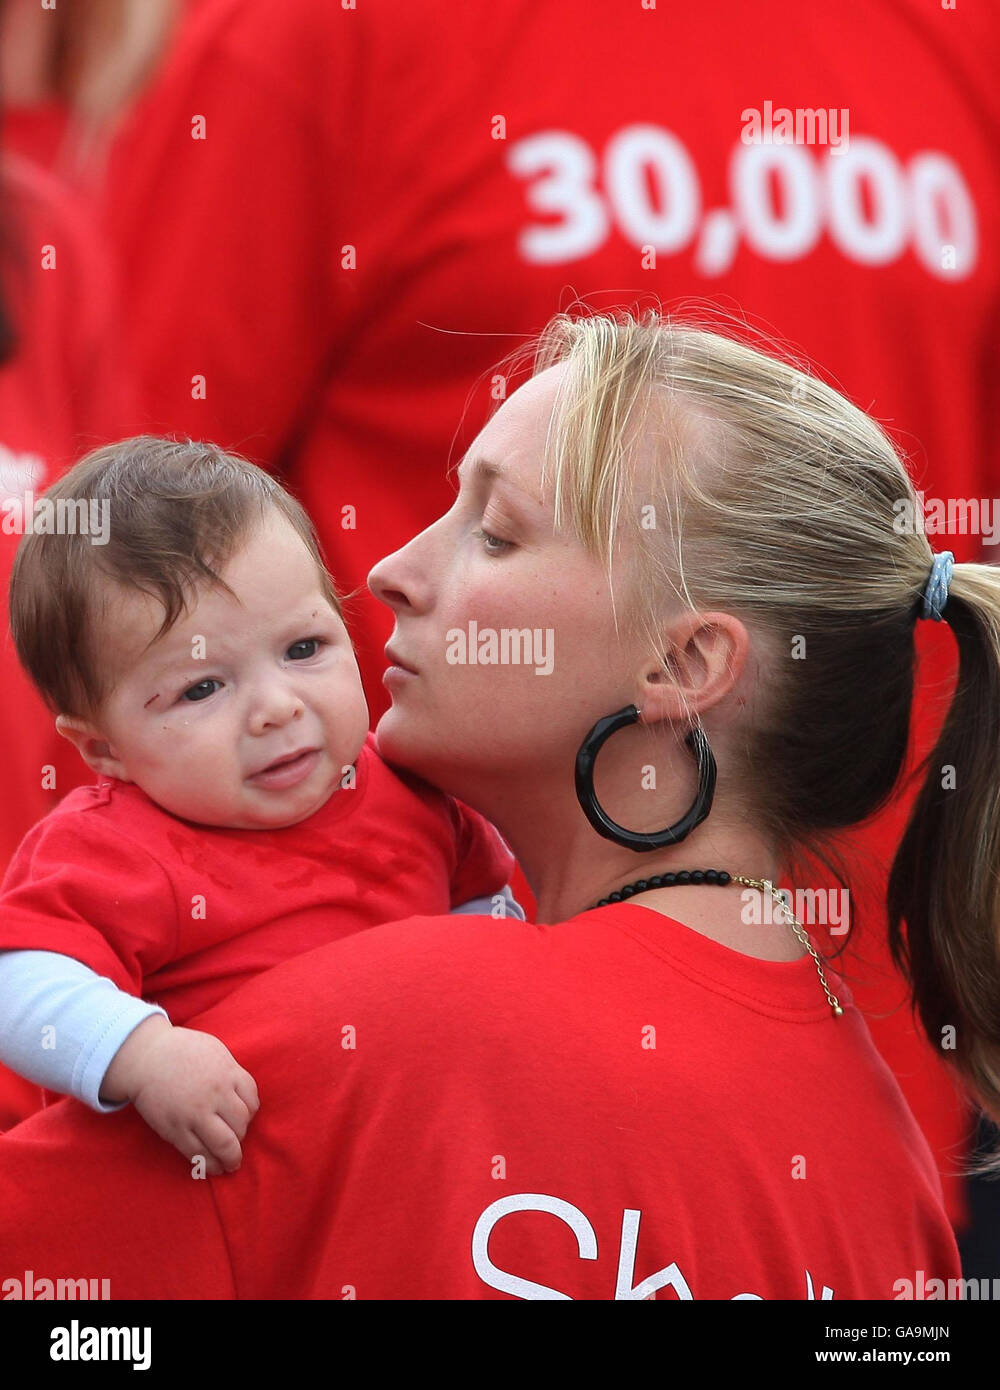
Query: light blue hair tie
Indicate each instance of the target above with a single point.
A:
(936, 588)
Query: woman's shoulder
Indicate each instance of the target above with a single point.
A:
(484, 954)
(395, 984)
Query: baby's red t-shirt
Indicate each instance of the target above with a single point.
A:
(182, 913)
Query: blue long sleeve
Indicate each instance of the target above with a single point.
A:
(484, 907)
(61, 1023)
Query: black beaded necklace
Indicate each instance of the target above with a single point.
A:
(645, 885)
(720, 878)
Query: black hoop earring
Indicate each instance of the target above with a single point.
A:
(599, 818)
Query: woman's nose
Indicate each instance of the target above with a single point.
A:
(383, 583)
(399, 580)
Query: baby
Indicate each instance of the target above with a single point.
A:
(199, 662)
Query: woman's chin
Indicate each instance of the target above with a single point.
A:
(396, 742)
(423, 753)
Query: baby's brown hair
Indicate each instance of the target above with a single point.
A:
(179, 510)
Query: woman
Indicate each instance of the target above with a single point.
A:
(654, 1097)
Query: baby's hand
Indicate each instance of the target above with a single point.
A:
(188, 1087)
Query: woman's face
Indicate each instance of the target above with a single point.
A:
(504, 651)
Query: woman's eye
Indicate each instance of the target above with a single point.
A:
(193, 694)
(493, 545)
(313, 642)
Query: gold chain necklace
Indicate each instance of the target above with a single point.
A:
(721, 878)
(797, 928)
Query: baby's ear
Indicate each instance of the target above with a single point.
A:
(91, 744)
(70, 727)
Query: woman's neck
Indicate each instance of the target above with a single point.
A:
(750, 925)
(570, 867)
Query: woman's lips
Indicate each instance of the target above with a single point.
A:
(398, 673)
(397, 662)
(288, 774)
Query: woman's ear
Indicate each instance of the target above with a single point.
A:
(660, 693)
(91, 744)
(703, 658)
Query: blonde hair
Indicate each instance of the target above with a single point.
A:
(775, 498)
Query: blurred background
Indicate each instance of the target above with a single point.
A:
(308, 231)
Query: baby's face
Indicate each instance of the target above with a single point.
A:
(195, 718)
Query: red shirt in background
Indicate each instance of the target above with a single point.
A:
(611, 1107)
(37, 132)
(333, 222)
(65, 389)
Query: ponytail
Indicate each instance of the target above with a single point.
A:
(781, 502)
(945, 879)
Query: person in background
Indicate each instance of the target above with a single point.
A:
(68, 73)
(330, 219)
(65, 386)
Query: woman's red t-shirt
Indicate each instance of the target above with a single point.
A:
(464, 1108)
